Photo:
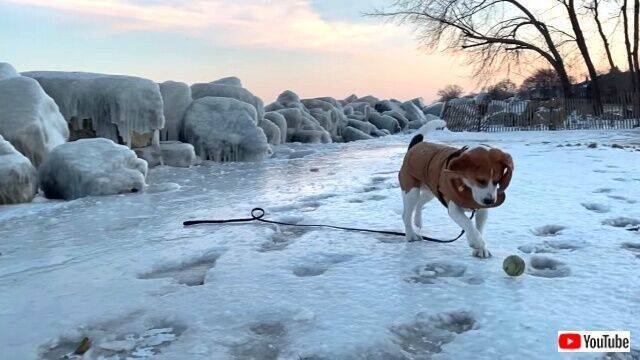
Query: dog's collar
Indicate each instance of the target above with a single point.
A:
(446, 166)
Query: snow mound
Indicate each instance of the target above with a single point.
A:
(229, 88)
(176, 97)
(225, 129)
(7, 71)
(91, 167)
(125, 109)
(29, 119)
(178, 154)
(18, 177)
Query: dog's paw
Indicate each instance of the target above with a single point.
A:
(418, 222)
(481, 252)
(413, 237)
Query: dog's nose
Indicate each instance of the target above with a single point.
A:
(487, 201)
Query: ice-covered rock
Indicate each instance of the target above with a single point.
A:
(399, 116)
(299, 121)
(225, 129)
(125, 109)
(280, 121)
(271, 131)
(29, 118)
(384, 122)
(178, 154)
(151, 154)
(383, 106)
(369, 99)
(91, 167)
(311, 136)
(224, 90)
(231, 80)
(418, 102)
(352, 134)
(359, 107)
(176, 97)
(287, 100)
(412, 112)
(434, 109)
(7, 71)
(328, 116)
(331, 101)
(380, 132)
(351, 98)
(416, 124)
(363, 126)
(18, 177)
(348, 111)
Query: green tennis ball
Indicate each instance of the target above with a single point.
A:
(513, 265)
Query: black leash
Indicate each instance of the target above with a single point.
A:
(257, 214)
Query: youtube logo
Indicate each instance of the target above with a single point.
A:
(569, 341)
(594, 341)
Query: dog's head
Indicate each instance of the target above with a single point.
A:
(487, 172)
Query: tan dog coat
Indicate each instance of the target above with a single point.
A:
(427, 164)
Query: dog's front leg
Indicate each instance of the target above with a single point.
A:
(474, 237)
(481, 219)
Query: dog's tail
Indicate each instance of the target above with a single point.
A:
(416, 140)
(426, 129)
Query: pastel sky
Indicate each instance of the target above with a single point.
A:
(313, 47)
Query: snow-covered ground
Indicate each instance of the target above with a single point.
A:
(123, 271)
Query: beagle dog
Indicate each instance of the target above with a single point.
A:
(461, 179)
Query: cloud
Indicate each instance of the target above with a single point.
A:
(285, 24)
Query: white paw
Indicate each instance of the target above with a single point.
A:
(481, 252)
(413, 237)
(418, 223)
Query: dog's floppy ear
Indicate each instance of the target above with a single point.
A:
(460, 164)
(506, 165)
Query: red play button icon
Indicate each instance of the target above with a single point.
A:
(569, 341)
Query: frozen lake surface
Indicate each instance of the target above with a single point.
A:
(123, 271)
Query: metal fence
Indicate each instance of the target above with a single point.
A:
(617, 112)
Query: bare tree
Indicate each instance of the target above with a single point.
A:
(594, 8)
(570, 6)
(497, 33)
(450, 92)
(502, 90)
(542, 83)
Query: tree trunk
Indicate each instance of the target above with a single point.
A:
(636, 39)
(627, 44)
(584, 50)
(605, 41)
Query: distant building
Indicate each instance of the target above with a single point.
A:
(611, 84)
